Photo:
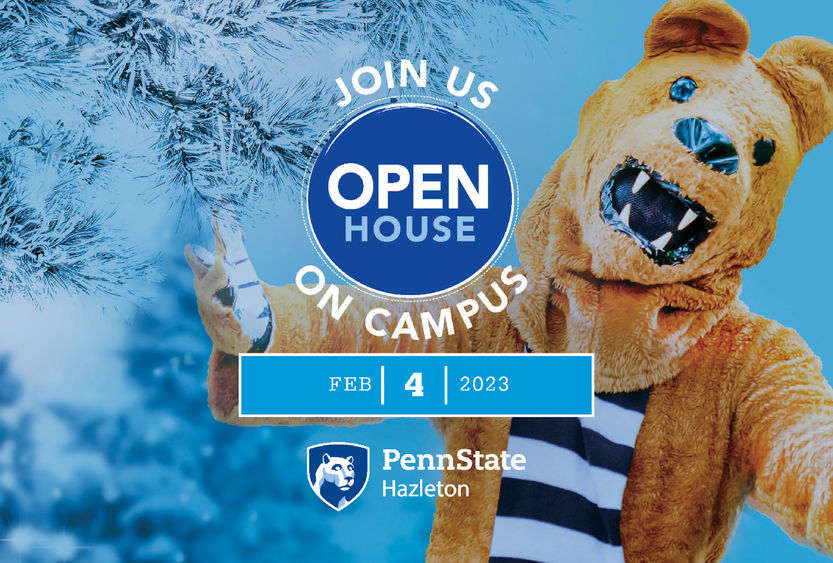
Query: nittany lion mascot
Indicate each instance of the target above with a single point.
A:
(334, 477)
(633, 247)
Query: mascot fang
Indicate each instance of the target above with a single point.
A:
(633, 246)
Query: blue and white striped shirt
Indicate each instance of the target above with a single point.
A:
(565, 505)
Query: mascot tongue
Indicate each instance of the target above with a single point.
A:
(638, 333)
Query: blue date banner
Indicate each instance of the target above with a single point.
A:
(416, 385)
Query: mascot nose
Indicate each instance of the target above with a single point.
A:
(709, 142)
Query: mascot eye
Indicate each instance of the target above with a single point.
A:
(764, 149)
(349, 468)
(336, 467)
(683, 89)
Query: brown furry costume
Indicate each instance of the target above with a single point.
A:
(739, 409)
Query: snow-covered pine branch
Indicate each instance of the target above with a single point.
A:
(238, 114)
(49, 241)
(228, 96)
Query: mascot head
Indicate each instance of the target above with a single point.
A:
(680, 168)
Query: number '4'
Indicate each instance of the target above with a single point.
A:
(414, 384)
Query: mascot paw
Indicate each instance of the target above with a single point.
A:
(232, 304)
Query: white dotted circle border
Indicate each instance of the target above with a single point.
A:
(393, 297)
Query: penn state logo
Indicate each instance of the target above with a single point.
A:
(338, 472)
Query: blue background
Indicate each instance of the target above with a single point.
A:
(407, 136)
(88, 377)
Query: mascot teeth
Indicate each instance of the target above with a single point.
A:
(660, 243)
(640, 181)
(687, 219)
(637, 202)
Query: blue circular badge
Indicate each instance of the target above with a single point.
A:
(410, 199)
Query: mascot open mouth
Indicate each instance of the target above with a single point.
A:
(637, 202)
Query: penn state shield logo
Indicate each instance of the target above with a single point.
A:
(338, 472)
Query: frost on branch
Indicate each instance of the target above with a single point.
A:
(50, 244)
(230, 147)
(217, 103)
(238, 86)
(448, 33)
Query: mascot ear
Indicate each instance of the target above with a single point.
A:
(802, 68)
(326, 458)
(691, 24)
(350, 459)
